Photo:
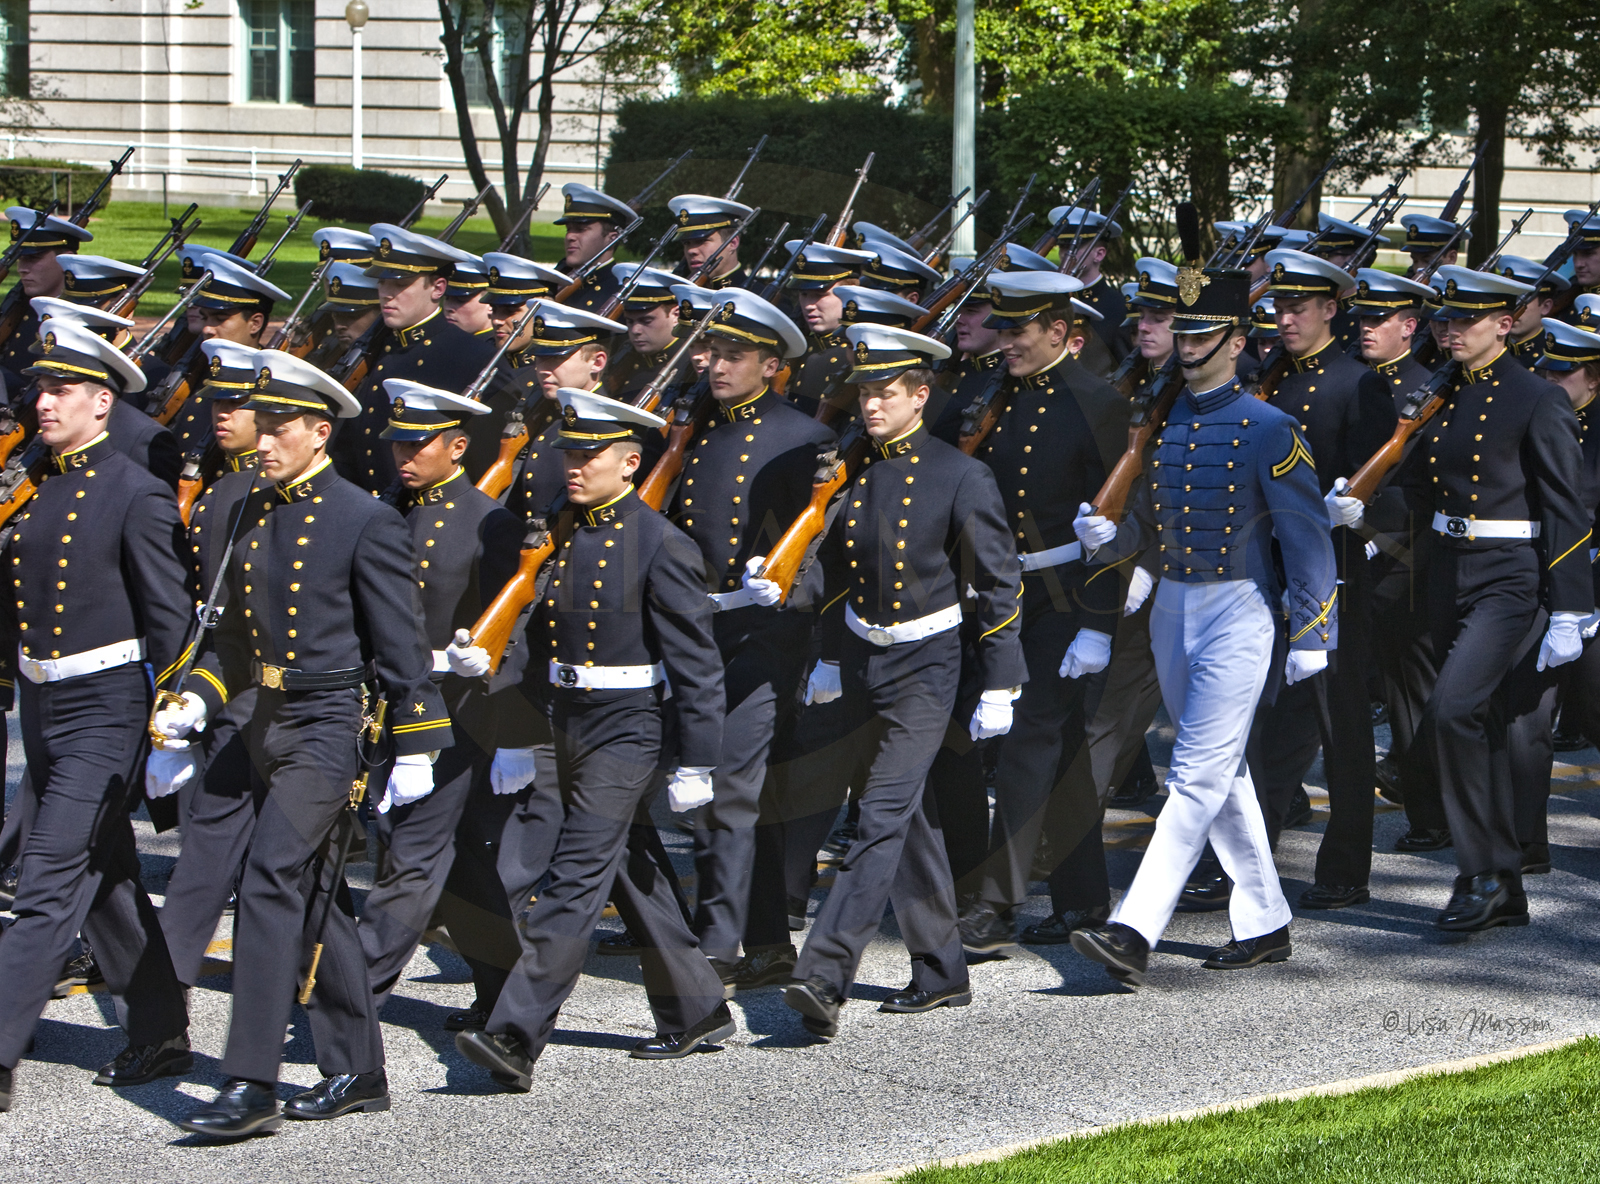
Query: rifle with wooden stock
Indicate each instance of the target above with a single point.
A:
(775, 289)
(415, 211)
(492, 630)
(605, 254)
(468, 208)
(690, 413)
(1429, 399)
(516, 431)
(835, 467)
(841, 228)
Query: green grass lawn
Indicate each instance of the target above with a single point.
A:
(129, 229)
(1533, 1119)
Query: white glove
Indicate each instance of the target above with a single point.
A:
(167, 770)
(823, 686)
(410, 780)
(1563, 640)
(1342, 510)
(511, 769)
(466, 659)
(766, 592)
(1139, 585)
(179, 720)
(1088, 654)
(1303, 664)
(1591, 625)
(690, 787)
(1371, 549)
(993, 716)
(1093, 530)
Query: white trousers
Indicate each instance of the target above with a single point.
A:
(1212, 645)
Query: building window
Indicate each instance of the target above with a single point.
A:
(280, 63)
(14, 81)
(507, 44)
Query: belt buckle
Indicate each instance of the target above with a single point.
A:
(272, 677)
(36, 669)
(1456, 527)
(566, 676)
(878, 636)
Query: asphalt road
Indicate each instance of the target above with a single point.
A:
(1048, 1046)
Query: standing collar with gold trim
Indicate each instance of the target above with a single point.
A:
(1310, 361)
(992, 360)
(1047, 376)
(409, 337)
(1484, 372)
(313, 481)
(1392, 367)
(438, 491)
(621, 506)
(907, 441)
(92, 453)
(244, 460)
(829, 340)
(748, 409)
(1531, 345)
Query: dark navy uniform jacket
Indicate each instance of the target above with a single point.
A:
(14, 355)
(516, 386)
(1059, 436)
(96, 559)
(209, 521)
(1230, 475)
(827, 358)
(1401, 509)
(323, 579)
(919, 524)
(433, 352)
(747, 478)
(1506, 447)
(145, 442)
(596, 291)
(629, 589)
(971, 378)
(737, 278)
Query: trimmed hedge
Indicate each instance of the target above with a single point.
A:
(339, 193)
(21, 188)
(808, 166)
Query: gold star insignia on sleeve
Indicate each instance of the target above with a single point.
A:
(418, 709)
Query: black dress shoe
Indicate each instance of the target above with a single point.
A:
(1424, 839)
(818, 1001)
(1121, 949)
(1334, 896)
(1388, 778)
(139, 1064)
(764, 968)
(8, 886)
(1535, 859)
(913, 1002)
(341, 1094)
(619, 944)
(1482, 902)
(1300, 812)
(473, 1019)
(241, 1108)
(669, 1046)
(1565, 739)
(984, 930)
(5, 1090)
(500, 1053)
(1057, 930)
(82, 971)
(1136, 789)
(1205, 894)
(1251, 951)
(1380, 712)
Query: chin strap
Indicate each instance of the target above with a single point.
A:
(1199, 362)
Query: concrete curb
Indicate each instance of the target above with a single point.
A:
(1331, 1089)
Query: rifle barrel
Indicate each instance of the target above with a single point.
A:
(843, 225)
(422, 203)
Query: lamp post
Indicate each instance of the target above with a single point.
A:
(355, 14)
(963, 157)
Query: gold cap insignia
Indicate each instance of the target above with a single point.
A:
(263, 378)
(850, 310)
(1005, 261)
(216, 366)
(538, 324)
(323, 249)
(188, 267)
(70, 280)
(1278, 273)
(494, 275)
(862, 352)
(569, 415)
(334, 285)
(1144, 279)
(49, 342)
(683, 217)
(686, 310)
(1363, 288)
(1190, 281)
(1549, 341)
(1450, 288)
(384, 247)
(568, 204)
(16, 231)
(727, 312)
